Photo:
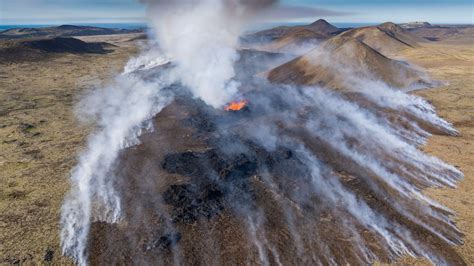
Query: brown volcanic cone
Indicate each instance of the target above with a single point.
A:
(323, 27)
(387, 38)
(338, 61)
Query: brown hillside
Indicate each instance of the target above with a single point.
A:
(321, 28)
(295, 38)
(43, 48)
(340, 62)
(452, 34)
(387, 38)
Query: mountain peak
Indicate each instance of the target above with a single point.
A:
(390, 26)
(322, 26)
(321, 22)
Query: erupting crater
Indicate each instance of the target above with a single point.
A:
(237, 105)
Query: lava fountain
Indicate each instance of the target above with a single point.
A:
(236, 105)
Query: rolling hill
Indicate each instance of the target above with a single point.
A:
(60, 31)
(37, 49)
(320, 28)
(387, 38)
(341, 62)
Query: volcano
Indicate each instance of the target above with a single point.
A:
(323, 66)
(321, 26)
(198, 186)
(287, 176)
(324, 167)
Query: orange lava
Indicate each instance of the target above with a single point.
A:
(236, 106)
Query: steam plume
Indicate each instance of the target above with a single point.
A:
(120, 111)
(201, 37)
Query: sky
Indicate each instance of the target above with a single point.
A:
(351, 11)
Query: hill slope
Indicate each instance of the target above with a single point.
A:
(37, 49)
(291, 41)
(463, 34)
(321, 28)
(63, 31)
(341, 62)
(387, 38)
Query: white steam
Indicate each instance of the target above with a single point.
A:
(121, 111)
(393, 167)
(201, 38)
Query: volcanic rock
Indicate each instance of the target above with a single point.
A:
(218, 178)
(49, 255)
(197, 165)
(165, 242)
(323, 27)
(191, 202)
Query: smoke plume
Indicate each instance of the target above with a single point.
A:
(120, 112)
(201, 37)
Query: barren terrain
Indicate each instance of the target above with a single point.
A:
(453, 64)
(39, 140)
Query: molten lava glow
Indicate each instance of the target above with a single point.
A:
(236, 106)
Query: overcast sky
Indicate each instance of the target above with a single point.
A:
(113, 11)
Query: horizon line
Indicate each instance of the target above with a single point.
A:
(269, 22)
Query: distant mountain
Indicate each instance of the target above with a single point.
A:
(453, 33)
(340, 62)
(386, 38)
(67, 45)
(60, 31)
(42, 48)
(290, 41)
(414, 25)
(321, 28)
